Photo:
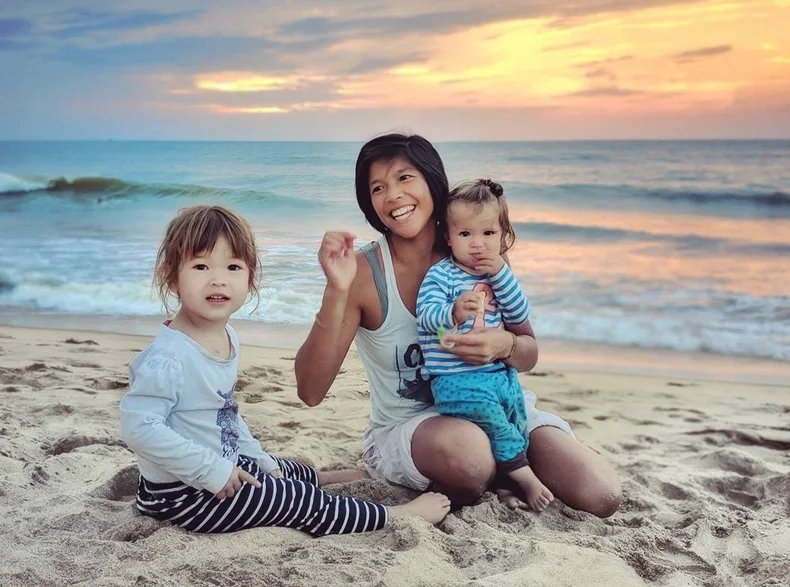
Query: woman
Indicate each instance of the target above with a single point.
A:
(371, 296)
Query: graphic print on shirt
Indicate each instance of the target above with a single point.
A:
(226, 420)
(412, 384)
(490, 306)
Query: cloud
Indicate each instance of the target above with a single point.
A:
(425, 22)
(601, 73)
(371, 64)
(565, 46)
(90, 21)
(9, 45)
(695, 54)
(604, 61)
(606, 92)
(195, 53)
(11, 27)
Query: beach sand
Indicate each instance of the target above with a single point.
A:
(705, 468)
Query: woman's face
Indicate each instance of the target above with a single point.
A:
(400, 196)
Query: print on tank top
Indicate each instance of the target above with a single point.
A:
(412, 383)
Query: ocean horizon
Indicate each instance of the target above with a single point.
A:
(677, 245)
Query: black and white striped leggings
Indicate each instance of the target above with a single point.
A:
(294, 501)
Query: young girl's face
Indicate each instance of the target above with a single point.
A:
(473, 230)
(213, 285)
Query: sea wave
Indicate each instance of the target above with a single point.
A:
(771, 201)
(137, 298)
(753, 327)
(99, 189)
(550, 231)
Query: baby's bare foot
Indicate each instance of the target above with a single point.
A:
(511, 500)
(430, 506)
(538, 495)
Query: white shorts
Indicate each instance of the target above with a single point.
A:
(387, 452)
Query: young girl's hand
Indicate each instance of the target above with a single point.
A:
(238, 477)
(465, 307)
(489, 263)
(337, 259)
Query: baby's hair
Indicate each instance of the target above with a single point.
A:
(196, 230)
(481, 192)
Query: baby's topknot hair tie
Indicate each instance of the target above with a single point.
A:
(495, 187)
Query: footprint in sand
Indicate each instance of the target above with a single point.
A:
(736, 489)
(544, 374)
(122, 486)
(138, 528)
(108, 384)
(721, 437)
(654, 561)
(39, 475)
(72, 442)
(75, 341)
(83, 364)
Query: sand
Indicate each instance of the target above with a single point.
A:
(705, 467)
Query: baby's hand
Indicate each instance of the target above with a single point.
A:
(238, 477)
(276, 473)
(465, 307)
(489, 263)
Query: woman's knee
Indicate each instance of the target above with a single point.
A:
(456, 456)
(604, 498)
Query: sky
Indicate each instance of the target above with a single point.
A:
(352, 69)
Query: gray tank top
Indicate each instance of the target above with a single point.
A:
(391, 354)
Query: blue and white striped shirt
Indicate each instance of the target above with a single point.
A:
(445, 281)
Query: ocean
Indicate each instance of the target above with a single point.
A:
(669, 245)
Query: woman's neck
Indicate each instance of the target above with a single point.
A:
(413, 251)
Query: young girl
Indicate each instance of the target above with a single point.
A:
(472, 289)
(200, 468)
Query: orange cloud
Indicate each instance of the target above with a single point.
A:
(244, 81)
(679, 58)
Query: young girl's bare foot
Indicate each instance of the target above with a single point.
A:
(511, 500)
(537, 495)
(430, 506)
(341, 476)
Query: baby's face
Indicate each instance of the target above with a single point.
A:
(473, 230)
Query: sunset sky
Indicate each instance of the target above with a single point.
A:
(347, 70)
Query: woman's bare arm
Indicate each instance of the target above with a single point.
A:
(319, 359)
(525, 354)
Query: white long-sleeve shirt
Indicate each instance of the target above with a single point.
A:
(179, 416)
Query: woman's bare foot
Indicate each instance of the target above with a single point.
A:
(537, 495)
(430, 506)
(511, 500)
(341, 476)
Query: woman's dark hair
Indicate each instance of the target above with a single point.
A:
(418, 152)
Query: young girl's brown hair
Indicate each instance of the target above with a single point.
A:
(195, 230)
(486, 191)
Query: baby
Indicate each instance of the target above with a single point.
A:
(471, 289)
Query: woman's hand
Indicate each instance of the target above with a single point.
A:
(337, 259)
(238, 477)
(480, 347)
